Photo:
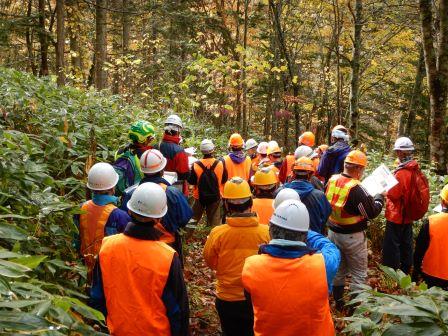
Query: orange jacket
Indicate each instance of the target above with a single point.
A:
(91, 231)
(133, 284)
(226, 249)
(219, 171)
(435, 261)
(238, 169)
(264, 209)
(289, 296)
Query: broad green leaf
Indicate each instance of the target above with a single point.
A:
(31, 261)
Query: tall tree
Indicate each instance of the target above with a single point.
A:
(60, 35)
(100, 44)
(355, 67)
(435, 46)
(43, 40)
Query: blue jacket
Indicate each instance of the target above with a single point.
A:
(316, 243)
(332, 161)
(315, 201)
(179, 211)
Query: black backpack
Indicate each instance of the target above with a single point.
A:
(208, 185)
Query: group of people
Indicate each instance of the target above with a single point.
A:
(286, 232)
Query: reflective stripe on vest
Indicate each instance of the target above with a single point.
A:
(289, 296)
(337, 194)
(238, 169)
(435, 261)
(264, 209)
(134, 274)
(91, 231)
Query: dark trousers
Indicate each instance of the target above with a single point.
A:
(397, 246)
(237, 317)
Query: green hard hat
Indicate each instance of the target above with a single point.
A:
(140, 131)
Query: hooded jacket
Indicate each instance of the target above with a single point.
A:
(395, 211)
(315, 201)
(332, 161)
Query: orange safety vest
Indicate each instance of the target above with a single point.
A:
(219, 171)
(435, 261)
(289, 163)
(264, 209)
(238, 169)
(167, 237)
(289, 296)
(134, 274)
(337, 193)
(91, 231)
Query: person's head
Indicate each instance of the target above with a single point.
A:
(236, 142)
(303, 168)
(237, 196)
(444, 196)
(404, 148)
(262, 149)
(141, 132)
(355, 163)
(339, 132)
(284, 195)
(274, 153)
(102, 179)
(152, 162)
(290, 221)
(265, 182)
(173, 125)
(207, 148)
(303, 151)
(251, 147)
(307, 139)
(148, 203)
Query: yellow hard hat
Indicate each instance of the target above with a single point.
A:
(444, 193)
(356, 157)
(307, 139)
(264, 176)
(274, 149)
(323, 148)
(304, 163)
(236, 140)
(236, 188)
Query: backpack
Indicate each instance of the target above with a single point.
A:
(208, 186)
(416, 202)
(128, 170)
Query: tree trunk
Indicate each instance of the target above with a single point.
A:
(60, 33)
(100, 44)
(355, 65)
(243, 70)
(436, 61)
(43, 40)
(29, 40)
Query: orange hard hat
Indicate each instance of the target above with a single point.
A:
(307, 139)
(356, 157)
(323, 148)
(303, 163)
(236, 140)
(340, 128)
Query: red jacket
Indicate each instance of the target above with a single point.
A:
(395, 196)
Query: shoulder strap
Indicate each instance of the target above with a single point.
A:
(200, 164)
(212, 168)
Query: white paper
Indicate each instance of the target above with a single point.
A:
(171, 177)
(381, 180)
(191, 160)
(438, 208)
(190, 151)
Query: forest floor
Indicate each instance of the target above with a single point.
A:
(200, 281)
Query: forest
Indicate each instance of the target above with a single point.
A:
(75, 74)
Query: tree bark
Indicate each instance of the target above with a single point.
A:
(355, 66)
(243, 70)
(100, 44)
(436, 62)
(60, 33)
(43, 40)
(29, 40)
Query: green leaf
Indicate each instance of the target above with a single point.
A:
(31, 261)
(12, 232)
(20, 321)
(405, 282)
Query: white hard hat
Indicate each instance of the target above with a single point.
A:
(148, 200)
(303, 151)
(207, 146)
(262, 147)
(273, 144)
(404, 144)
(251, 143)
(102, 176)
(173, 122)
(152, 161)
(292, 215)
(284, 195)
